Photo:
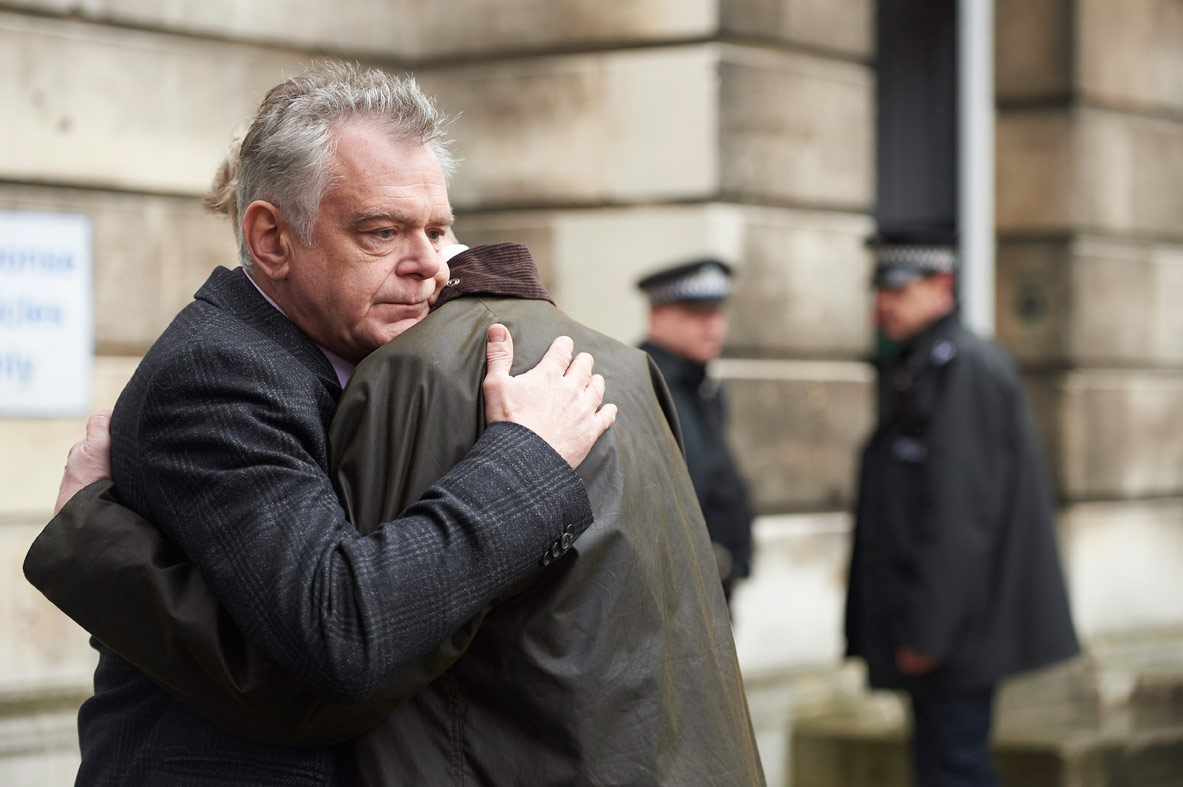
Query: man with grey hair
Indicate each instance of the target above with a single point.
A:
(220, 438)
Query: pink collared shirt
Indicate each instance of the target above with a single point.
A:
(342, 367)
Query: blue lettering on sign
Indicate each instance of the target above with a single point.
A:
(15, 365)
(18, 260)
(21, 312)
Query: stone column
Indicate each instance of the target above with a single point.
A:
(1090, 281)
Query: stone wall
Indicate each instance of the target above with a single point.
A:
(121, 111)
(617, 137)
(1090, 269)
(612, 138)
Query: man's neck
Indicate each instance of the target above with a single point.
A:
(343, 368)
(264, 286)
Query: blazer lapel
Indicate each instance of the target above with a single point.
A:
(230, 291)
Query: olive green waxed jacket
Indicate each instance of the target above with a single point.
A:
(616, 664)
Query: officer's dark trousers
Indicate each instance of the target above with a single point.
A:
(951, 739)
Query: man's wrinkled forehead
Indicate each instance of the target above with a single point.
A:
(383, 177)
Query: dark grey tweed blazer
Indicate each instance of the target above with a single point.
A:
(220, 439)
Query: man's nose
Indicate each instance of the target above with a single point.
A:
(422, 259)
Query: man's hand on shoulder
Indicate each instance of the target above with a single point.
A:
(559, 399)
(89, 459)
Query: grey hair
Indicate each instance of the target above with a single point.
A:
(286, 156)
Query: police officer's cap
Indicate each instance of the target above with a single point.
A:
(705, 279)
(902, 255)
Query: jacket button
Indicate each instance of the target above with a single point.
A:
(571, 529)
(556, 549)
(546, 558)
(566, 541)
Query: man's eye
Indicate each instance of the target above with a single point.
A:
(435, 234)
(385, 234)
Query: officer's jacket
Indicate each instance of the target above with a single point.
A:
(701, 406)
(955, 551)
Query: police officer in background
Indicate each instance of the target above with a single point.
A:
(955, 580)
(687, 328)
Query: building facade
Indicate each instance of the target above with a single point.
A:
(614, 138)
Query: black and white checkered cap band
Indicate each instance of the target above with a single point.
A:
(707, 283)
(917, 257)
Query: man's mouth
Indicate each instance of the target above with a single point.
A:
(418, 303)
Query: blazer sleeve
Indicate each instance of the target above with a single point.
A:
(162, 616)
(157, 612)
(233, 478)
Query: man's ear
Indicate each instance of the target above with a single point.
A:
(268, 238)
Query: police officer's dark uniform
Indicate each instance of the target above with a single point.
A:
(954, 550)
(701, 406)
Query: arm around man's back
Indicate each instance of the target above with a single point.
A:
(96, 543)
(234, 480)
(156, 611)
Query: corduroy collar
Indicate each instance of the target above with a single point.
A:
(504, 270)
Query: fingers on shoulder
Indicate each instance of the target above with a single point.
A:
(560, 352)
(581, 368)
(498, 351)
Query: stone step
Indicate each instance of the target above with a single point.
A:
(1111, 719)
(1119, 752)
(1158, 698)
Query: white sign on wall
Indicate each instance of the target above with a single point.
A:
(46, 314)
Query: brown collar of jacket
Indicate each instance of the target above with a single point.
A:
(505, 270)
